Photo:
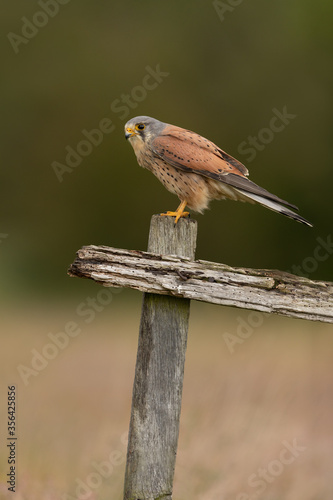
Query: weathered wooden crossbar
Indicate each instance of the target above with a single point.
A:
(263, 290)
(170, 277)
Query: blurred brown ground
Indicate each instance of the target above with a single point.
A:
(225, 79)
(237, 408)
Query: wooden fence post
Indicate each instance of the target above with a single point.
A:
(170, 278)
(157, 391)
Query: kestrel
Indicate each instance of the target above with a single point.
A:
(195, 169)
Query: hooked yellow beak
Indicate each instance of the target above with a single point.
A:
(129, 132)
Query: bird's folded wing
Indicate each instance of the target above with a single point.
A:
(193, 153)
(190, 149)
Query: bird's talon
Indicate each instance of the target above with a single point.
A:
(177, 215)
(172, 214)
(183, 214)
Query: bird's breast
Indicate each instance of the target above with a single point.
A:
(142, 152)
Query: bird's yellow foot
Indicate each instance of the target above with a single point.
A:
(178, 215)
(179, 212)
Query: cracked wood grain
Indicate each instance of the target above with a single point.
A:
(159, 373)
(268, 291)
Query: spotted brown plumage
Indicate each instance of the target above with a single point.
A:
(196, 169)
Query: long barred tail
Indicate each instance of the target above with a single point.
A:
(276, 207)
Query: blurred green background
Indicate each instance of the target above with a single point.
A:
(225, 72)
(225, 78)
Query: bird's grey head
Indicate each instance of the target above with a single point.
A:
(143, 128)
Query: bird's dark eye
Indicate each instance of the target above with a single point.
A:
(140, 126)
